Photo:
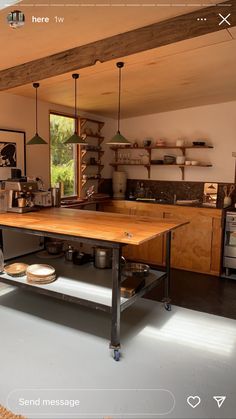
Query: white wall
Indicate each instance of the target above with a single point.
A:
(17, 112)
(215, 123)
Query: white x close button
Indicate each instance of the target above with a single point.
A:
(225, 19)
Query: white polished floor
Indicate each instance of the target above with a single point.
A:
(54, 350)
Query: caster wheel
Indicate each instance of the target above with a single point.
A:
(116, 354)
(167, 306)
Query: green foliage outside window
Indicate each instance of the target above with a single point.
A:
(62, 156)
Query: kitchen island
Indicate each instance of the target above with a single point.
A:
(95, 228)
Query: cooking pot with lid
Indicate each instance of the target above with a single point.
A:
(102, 257)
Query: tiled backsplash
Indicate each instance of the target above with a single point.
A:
(167, 189)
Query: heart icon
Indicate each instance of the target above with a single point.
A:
(193, 401)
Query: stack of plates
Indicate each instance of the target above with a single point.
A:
(40, 274)
(16, 269)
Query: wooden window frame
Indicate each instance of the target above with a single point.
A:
(76, 119)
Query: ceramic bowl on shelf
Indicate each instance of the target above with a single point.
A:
(187, 162)
(199, 143)
(194, 163)
(156, 161)
(160, 143)
(168, 159)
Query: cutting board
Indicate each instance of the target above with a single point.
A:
(130, 286)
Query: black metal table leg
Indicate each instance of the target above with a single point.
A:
(167, 279)
(115, 310)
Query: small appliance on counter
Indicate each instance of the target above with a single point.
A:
(43, 198)
(21, 195)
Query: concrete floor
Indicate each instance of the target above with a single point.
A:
(54, 350)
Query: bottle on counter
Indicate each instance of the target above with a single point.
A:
(141, 191)
(69, 254)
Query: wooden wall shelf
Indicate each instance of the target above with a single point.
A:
(94, 135)
(166, 147)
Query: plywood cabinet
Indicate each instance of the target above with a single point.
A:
(195, 247)
(151, 251)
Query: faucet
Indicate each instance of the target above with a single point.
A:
(175, 198)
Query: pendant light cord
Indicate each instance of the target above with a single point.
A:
(75, 106)
(36, 111)
(119, 99)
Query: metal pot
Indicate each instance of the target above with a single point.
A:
(135, 269)
(54, 247)
(102, 257)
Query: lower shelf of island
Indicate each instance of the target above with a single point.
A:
(81, 284)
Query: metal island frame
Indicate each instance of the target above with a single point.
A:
(84, 284)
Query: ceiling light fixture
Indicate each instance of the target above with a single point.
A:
(75, 138)
(118, 138)
(36, 138)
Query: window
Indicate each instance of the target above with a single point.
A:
(63, 156)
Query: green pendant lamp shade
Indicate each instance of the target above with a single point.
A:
(75, 138)
(118, 138)
(36, 138)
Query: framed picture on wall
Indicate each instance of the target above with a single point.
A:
(12, 152)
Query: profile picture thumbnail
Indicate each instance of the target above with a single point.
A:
(16, 19)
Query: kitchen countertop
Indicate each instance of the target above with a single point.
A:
(110, 227)
(170, 204)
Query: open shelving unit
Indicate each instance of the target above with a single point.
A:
(90, 129)
(148, 166)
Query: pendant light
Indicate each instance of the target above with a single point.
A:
(75, 138)
(118, 138)
(36, 138)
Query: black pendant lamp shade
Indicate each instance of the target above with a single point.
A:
(36, 138)
(118, 138)
(75, 138)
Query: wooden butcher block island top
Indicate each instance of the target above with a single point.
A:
(118, 228)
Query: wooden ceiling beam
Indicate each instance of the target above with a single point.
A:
(173, 30)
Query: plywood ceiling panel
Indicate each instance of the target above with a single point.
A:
(232, 32)
(190, 73)
(82, 24)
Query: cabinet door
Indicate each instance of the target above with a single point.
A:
(191, 244)
(217, 234)
(150, 252)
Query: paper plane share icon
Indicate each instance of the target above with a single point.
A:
(219, 400)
